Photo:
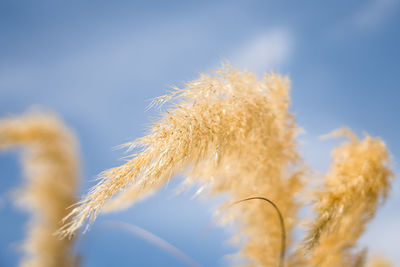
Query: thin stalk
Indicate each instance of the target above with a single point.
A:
(155, 240)
(282, 223)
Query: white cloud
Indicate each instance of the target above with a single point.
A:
(264, 51)
(373, 14)
(368, 18)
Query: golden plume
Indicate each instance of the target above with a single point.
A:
(379, 261)
(50, 165)
(357, 182)
(228, 132)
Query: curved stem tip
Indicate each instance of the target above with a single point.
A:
(282, 223)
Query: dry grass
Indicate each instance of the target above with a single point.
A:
(214, 122)
(50, 165)
(379, 261)
(231, 133)
(357, 182)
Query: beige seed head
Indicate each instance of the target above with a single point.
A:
(357, 182)
(229, 133)
(50, 164)
(379, 261)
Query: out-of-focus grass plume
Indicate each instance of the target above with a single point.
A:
(357, 182)
(379, 261)
(231, 133)
(50, 165)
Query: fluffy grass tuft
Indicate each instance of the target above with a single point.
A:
(50, 165)
(379, 261)
(228, 132)
(231, 133)
(357, 182)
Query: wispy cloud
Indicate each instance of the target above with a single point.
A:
(374, 13)
(369, 17)
(264, 51)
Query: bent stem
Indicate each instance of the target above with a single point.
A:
(282, 223)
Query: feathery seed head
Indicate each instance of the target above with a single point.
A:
(50, 165)
(229, 132)
(357, 182)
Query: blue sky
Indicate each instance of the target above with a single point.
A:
(98, 63)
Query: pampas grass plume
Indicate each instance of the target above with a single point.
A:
(50, 165)
(357, 182)
(379, 261)
(229, 133)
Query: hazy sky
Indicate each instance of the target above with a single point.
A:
(98, 63)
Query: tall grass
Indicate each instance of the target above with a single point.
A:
(50, 165)
(357, 182)
(231, 133)
(379, 261)
(228, 132)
